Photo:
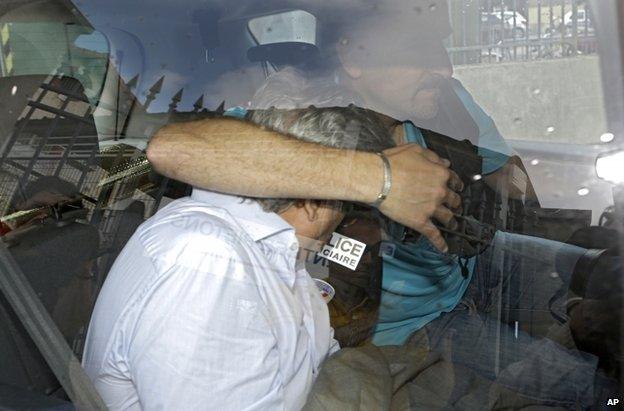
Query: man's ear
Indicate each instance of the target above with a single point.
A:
(311, 208)
(344, 52)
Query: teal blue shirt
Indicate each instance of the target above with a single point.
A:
(419, 283)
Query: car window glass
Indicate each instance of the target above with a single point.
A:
(523, 96)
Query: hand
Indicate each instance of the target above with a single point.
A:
(423, 187)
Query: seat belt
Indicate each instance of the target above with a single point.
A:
(46, 336)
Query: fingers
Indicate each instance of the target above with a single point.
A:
(450, 183)
(455, 182)
(445, 216)
(434, 236)
(452, 199)
(434, 158)
(423, 190)
(413, 147)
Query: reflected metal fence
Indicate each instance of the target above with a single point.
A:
(495, 31)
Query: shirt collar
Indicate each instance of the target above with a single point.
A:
(258, 223)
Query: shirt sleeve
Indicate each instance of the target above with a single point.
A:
(492, 146)
(202, 339)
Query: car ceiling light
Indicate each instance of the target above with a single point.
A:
(289, 26)
(610, 167)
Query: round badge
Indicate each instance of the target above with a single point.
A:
(326, 290)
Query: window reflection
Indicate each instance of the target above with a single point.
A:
(524, 309)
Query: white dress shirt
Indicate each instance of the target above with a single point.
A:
(207, 308)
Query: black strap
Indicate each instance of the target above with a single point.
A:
(463, 264)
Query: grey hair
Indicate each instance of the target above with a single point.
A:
(351, 128)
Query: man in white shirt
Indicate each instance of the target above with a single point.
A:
(207, 306)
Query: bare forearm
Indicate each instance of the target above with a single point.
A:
(239, 157)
